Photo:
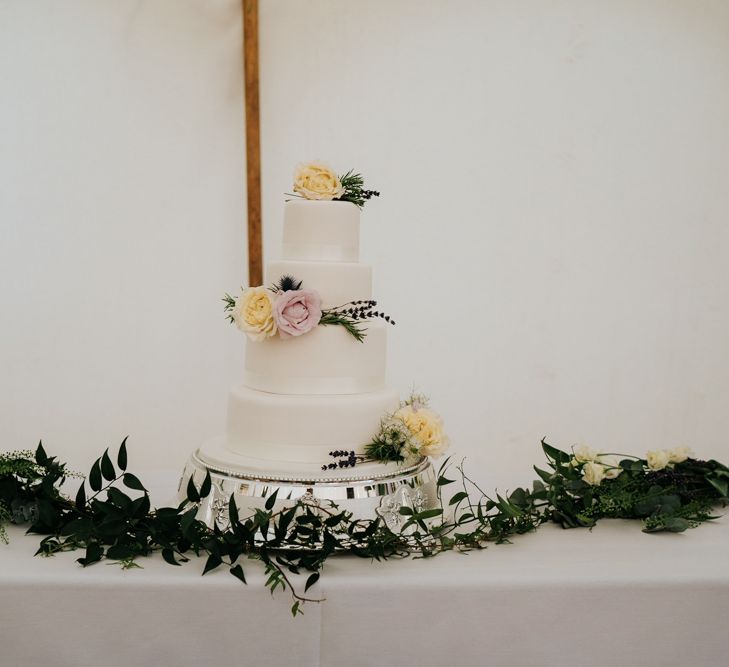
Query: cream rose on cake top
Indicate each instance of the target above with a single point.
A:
(317, 180)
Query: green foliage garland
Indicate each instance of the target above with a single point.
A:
(106, 522)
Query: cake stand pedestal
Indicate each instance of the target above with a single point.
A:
(374, 491)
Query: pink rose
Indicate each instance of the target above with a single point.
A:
(296, 312)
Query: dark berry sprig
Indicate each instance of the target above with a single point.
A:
(360, 310)
(347, 459)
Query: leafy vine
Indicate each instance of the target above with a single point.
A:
(297, 540)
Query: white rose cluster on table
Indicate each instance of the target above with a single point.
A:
(596, 467)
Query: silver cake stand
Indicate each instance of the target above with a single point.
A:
(367, 492)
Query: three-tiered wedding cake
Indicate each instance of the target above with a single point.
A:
(313, 402)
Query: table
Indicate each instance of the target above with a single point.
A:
(608, 596)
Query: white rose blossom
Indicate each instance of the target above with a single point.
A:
(583, 454)
(658, 459)
(679, 454)
(611, 465)
(593, 473)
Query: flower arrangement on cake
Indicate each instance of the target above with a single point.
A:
(318, 181)
(286, 309)
(405, 436)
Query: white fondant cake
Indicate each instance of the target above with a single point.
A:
(305, 396)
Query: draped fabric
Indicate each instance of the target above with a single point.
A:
(611, 596)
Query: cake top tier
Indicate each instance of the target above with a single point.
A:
(321, 231)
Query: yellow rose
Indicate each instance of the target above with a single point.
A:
(427, 427)
(316, 180)
(253, 313)
(657, 459)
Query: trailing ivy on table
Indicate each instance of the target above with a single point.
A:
(295, 542)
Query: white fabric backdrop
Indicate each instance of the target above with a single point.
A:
(551, 235)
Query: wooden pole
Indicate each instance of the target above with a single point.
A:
(253, 141)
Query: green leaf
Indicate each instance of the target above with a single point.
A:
(94, 552)
(132, 481)
(169, 556)
(546, 476)
(458, 497)
(192, 494)
(81, 496)
(295, 609)
(507, 508)
(443, 481)
(121, 457)
(428, 514)
(557, 455)
(406, 511)
(206, 486)
(41, 458)
(721, 485)
(120, 499)
(95, 476)
(232, 510)
(311, 581)
(119, 552)
(107, 467)
(237, 571)
(271, 501)
(677, 524)
(187, 520)
(212, 562)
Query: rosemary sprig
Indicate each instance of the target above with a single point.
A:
(229, 306)
(354, 190)
(331, 317)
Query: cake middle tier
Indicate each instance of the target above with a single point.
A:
(327, 360)
(337, 282)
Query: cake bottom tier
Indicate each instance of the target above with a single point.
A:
(302, 430)
(216, 455)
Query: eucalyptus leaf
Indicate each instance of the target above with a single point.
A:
(721, 485)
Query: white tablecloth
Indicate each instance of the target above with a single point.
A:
(611, 596)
